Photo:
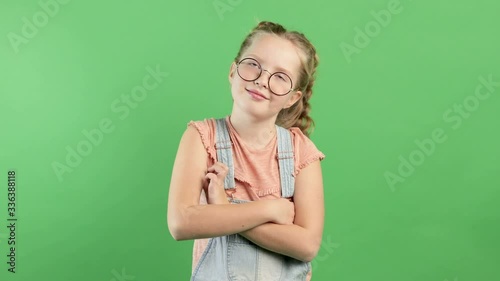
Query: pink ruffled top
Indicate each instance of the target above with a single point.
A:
(255, 171)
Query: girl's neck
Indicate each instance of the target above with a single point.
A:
(255, 133)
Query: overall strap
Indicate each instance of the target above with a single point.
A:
(223, 146)
(285, 162)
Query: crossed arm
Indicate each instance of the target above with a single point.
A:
(263, 222)
(302, 239)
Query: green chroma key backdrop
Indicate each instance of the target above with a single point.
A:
(96, 95)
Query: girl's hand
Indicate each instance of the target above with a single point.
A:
(215, 184)
(283, 210)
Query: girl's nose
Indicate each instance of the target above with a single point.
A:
(261, 82)
(263, 79)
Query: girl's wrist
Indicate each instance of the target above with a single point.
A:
(267, 209)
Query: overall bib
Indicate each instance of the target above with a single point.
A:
(235, 258)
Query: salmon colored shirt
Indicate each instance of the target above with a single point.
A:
(255, 171)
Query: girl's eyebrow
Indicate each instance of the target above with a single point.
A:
(278, 68)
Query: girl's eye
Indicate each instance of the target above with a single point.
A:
(281, 77)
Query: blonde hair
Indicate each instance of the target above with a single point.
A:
(298, 114)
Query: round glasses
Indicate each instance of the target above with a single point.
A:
(250, 70)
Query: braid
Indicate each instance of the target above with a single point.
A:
(298, 114)
(305, 122)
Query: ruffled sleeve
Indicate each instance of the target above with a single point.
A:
(206, 129)
(305, 150)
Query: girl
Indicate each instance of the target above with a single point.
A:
(249, 191)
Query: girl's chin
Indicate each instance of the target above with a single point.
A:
(255, 110)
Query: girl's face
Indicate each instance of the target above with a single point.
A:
(274, 54)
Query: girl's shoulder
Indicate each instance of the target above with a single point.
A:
(206, 127)
(206, 130)
(304, 149)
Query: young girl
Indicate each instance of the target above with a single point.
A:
(248, 187)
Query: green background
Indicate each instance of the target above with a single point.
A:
(108, 214)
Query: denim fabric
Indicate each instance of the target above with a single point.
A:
(235, 258)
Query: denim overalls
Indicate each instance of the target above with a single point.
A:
(235, 258)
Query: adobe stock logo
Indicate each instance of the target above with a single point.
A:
(122, 107)
(328, 247)
(455, 115)
(123, 276)
(31, 27)
(372, 29)
(223, 6)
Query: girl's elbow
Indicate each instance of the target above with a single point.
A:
(311, 250)
(177, 232)
(308, 255)
(177, 228)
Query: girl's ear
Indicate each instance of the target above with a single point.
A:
(293, 99)
(232, 72)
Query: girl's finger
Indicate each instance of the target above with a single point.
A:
(211, 176)
(219, 168)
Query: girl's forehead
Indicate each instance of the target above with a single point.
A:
(275, 52)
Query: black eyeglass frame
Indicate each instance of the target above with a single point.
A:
(260, 73)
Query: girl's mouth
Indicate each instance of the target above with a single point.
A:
(256, 95)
